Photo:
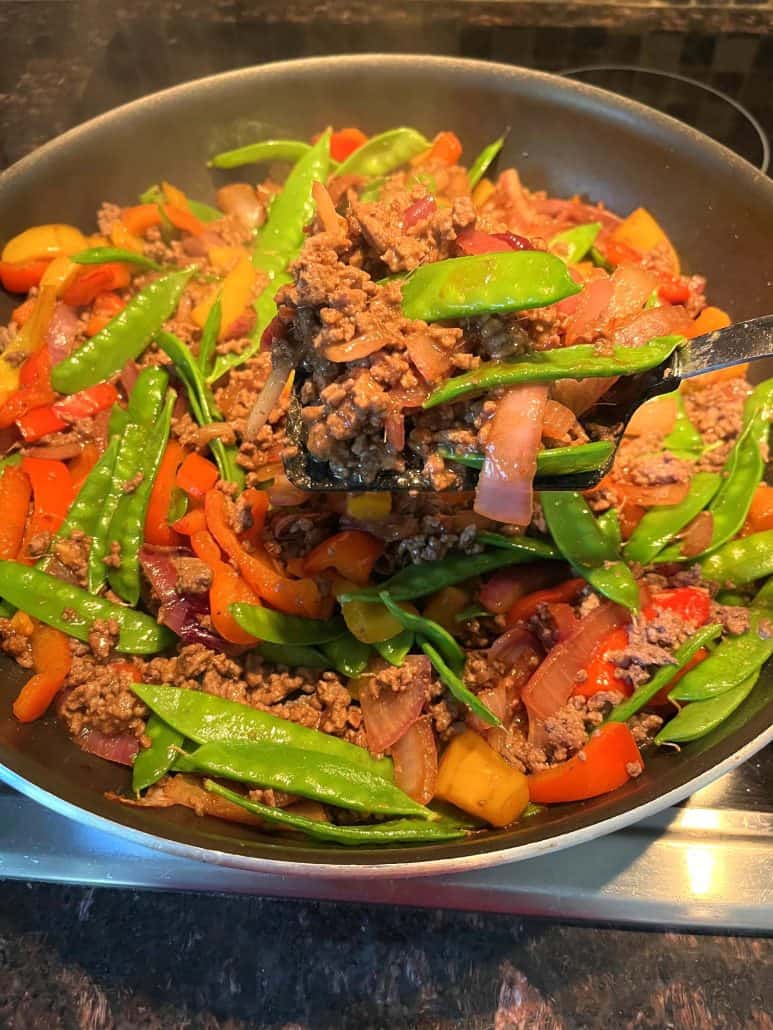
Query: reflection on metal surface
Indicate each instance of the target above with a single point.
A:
(701, 865)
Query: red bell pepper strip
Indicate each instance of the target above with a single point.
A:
(52, 495)
(96, 279)
(673, 290)
(619, 253)
(601, 671)
(38, 423)
(607, 761)
(15, 494)
(196, 475)
(157, 528)
(525, 607)
(52, 657)
(81, 466)
(106, 307)
(193, 521)
(446, 147)
(35, 388)
(352, 553)
(345, 141)
(20, 277)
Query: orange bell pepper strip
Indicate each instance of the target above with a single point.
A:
(52, 657)
(353, 553)
(34, 391)
(21, 314)
(607, 761)
(641, 232)
(15, 494)
(760, 515)
(196, 476)
(257, 502)
(191, 522)
(227, 588)
(525, 607)
(96, 279)
(140, 218)
(52, 495)
(446, 148)
(106, 307)
(345, 141)
(291, 596)
(157, 528)
(183, 220)
(21, 276)
(709, 320)
(81, 466)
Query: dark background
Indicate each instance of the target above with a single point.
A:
(105, 960)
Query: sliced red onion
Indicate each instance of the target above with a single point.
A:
(267, 398)
(120, 747)
(559, 421)
(514, 241)
(388, 713)
(415, 758)
(62, 330)
(432, 360)
(240, 200)
(128, 376)
(419, 211)
(357, 348)
(475, 241)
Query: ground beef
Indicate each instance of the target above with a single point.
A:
(96, 697)
(193, 575)
(434, 541)
(650, 642)
(644, 726)
(734, 618)
(72, 554)
(716, 411)
(15, 636)
(103, 636)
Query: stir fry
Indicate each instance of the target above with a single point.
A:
(359, 666)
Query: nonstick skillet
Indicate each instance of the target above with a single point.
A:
(565, 137)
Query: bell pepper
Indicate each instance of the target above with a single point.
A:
(673, 290)
(140, 218)
(174, 196)
(81, 466)
(183, 220)
(708, 321)
(52, 495)
(445, 605)
(370, 506)
(191, 522)
(41, 421)
(60, 274)
(482, 192)
(28, 386)
(227, 588)
(472, 776)
(52, 659)
(196, 476)
(760, 515)
(257, 503)
(15, 494)
(445, 148)
(525, 607)
(43, 241)
(369, 622)
(291, 596)
(345, 141)
(661, 699)
(353, 553)
(235, 295)
(20, 277)
(21, 314)
(607, 761)
(641, 232)
(157, 528)
(691, 604)
(123, 239)
(106, 306)
(95, 279)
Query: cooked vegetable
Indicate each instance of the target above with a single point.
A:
(472, 776)
(483, 161)
(555, 461)
(258, 153)
(607, 761)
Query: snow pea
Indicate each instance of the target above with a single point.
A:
(394, 831)
(600, 261)
(684, 440)
(428, 577)
(293, 655)
(209, 336)
(128, 523)
(202, 403)
(155, 761)
(103, 255)
(458, 688)
(764, 596)
(278, 628)
(260, 153)
(483, 161)
(124, 337)
(426, 629)
(511, 280)
(384, 153)
(609, 525)
(119, 418)
(701, 717)
(579, 538)
(733, 661)
(204, 212)
(397, 648)
(660, 525)
(309, 774)
(581, 361)
(85, 509)
(665, 674)
(553, 461)
(73, 611)
(573, 244)
(347, 654)
(741, 561)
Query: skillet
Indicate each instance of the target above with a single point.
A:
(565, 137)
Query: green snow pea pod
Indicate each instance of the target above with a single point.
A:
(512, 280)
(426, 629)
(128, 523)
(665, 674)
(147, 397)
(347, 654)
(600, 261)
(293, 655)
(278, 628)
(393, 831)
(124, 337)
(741, 561)
(419, 580)
(483, 161)
(573, 244)
(85, 509)
(209, 336)
(764, 596)
(581, 361)
(458, 688)
(760, 402)
(609, 525)
(103, 255)
(74, 611)
(733, 661)
(660, 525)
(202, 403)
(684, 439)
(281, 237)
(119, 418)
(579, 538)
(205, 717)
(204, 212)
(384, 153)
(265, 151)
(309, 774)
(397, 648)
(553, 461)
(151, 763)
(701, 717)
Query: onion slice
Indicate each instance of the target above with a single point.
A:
(267, 398)
(432, 360)
(388, 713)
(415, 758)
(504, 491)
(119, 747)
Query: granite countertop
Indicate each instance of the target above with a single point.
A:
(106, 959)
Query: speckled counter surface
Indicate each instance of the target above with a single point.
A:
(111, 960)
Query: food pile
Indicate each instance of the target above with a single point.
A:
(359, 665)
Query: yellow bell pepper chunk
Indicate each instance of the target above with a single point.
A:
(121, 237)
(370, 623)
(59, 274)
(472, 776)
(445, 605)
(223, 258)
(174, 196)
(482, 192)
(28, 340)
(640, 231)
(371, 506)
(235, 295)
(43, 241)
